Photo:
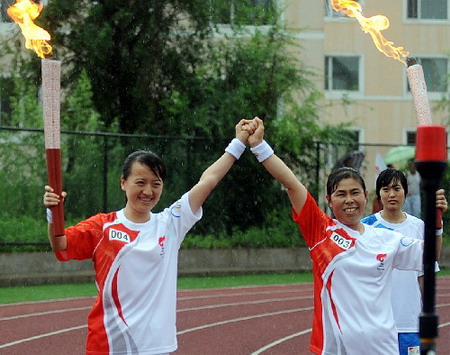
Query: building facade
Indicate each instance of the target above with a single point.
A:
(351, 68)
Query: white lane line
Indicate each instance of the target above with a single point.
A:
(178, 310)
(45, 313)
(302, 285)
(238, 294)
(242, 303)
(48, 301)
(443, 325)
(235, 320)
(279, 341)
(42, 336)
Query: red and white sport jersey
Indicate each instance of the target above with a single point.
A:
(136, 274)
(352, 283)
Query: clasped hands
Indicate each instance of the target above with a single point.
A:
(250, 131)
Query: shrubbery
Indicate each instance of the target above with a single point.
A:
(282, 234)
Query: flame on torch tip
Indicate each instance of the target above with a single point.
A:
(372, 25)
(23, 12)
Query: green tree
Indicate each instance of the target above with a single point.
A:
(135, 53)
(158, 68)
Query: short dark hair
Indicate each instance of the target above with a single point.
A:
(389, 176)
(150, 159)
(343, 173)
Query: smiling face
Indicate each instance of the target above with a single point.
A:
(348, 202)
(143, 189)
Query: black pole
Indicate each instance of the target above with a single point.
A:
(431, 175)
(431, 161)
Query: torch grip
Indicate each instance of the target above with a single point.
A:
(55, 181)
(438, 218)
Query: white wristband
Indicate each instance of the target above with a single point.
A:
(262, 151)
(235, 148)
(49, 216)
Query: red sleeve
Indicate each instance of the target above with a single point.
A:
(83, 238)
(312, 222)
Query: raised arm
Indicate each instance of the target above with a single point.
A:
(277, 168)
(51, 199)
(214, 173)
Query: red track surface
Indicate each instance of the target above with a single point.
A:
(243, 320)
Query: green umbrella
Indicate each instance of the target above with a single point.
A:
(400, 154)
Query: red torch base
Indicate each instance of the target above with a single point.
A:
(55, 181)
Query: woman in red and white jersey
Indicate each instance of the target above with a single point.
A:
(352, 262)
(135, 253)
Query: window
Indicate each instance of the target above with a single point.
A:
(410, 137)
(435, 71)
(329, 12)
(342, 73)
(427, 10)
(243, 12)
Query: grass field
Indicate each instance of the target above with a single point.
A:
(43, 292)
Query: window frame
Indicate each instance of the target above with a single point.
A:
(418, 17)
(339, 93)
(407, 133)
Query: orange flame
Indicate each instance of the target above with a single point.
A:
(372, 25)
(23, 12)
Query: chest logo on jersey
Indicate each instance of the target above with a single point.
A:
(381, 258)
(161, 241)
(341, 241)
(119, 236)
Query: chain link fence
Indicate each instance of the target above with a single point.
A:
(92, 165)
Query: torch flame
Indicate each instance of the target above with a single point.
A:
(23, 12)
(372, 25)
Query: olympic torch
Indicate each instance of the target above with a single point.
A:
(51, 73)
(24, 12)
(431, 161)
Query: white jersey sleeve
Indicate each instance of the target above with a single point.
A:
(410, 254)
(182, 216)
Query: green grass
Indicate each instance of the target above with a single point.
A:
(35, 293)
(186, 283)
(44, 292)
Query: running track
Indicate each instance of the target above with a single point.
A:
(242, 320)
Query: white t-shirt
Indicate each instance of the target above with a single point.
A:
(406, 298)
(352, 283)
(136, 274)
